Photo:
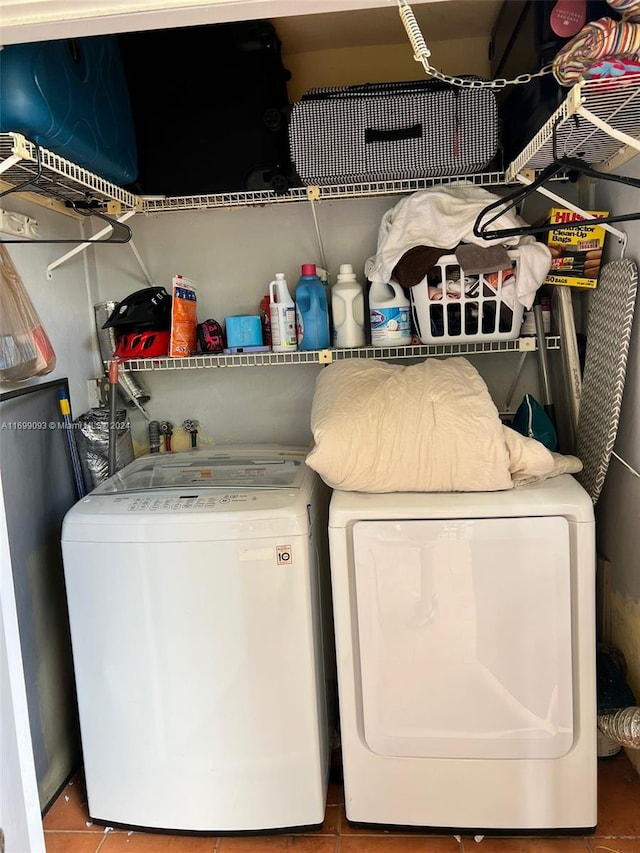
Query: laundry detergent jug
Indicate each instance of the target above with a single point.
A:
(389, 315)
(312, 311)
(282, 313)
(347, 310)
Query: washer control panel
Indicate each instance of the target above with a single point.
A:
(208, 502)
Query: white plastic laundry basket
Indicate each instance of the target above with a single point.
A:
(449, 306)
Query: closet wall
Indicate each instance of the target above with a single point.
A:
(617, 528)
(35, 497)
(232, 255)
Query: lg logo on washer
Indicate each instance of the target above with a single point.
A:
(283, 555)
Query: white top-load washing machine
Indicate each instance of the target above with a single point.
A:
(196, 583)
(465, 643)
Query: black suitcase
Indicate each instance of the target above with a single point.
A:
(210, 107)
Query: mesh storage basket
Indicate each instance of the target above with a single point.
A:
(449, 306)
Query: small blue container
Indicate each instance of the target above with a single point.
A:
(244, 330)
(71, 97)
(312, 311)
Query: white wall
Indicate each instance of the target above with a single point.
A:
(233, 255)
(618, 508)
(64, 307)
(64, 302)
(19, 806)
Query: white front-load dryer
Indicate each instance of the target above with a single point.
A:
(465, 642)
(196, 583)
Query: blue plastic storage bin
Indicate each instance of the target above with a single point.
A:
(71, 97)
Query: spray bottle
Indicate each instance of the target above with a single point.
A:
(347, 308)
(282, 314)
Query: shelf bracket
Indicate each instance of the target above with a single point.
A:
(81, 247)
(19, 151)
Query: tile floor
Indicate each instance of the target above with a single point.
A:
(69, 830)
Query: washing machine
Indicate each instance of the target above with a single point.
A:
(197, 588)
(466, 657)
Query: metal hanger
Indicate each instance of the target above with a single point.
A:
(560, 163)
(120, 232)
(569, 164)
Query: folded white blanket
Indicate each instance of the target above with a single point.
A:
(427, 427)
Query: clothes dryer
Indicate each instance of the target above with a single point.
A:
(196, 583)
(465, 646)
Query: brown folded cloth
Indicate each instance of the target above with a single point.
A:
(416, 263)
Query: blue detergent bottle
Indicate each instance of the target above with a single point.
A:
(312, 311)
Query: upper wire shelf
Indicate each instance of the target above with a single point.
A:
(598, 122)
(365, 189)
(57, 179)
(64, 181)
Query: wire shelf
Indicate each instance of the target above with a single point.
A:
(599, 122)
(64, 181)
(320, 193)
(59, 179)
(586, 125)
(326, 356)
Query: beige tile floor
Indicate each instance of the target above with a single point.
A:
(68, 829)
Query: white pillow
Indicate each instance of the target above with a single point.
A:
(427, 427)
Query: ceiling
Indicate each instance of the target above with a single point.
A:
(366, 22)
(439, 21)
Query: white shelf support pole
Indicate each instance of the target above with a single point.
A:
(607, 128)
(141, 263)
(81, 247)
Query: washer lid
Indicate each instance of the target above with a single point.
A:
(237, 467)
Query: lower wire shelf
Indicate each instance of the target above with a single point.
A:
(326, 356)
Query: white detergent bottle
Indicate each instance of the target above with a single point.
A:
(282, 314)
(347, 310)
(389, 315)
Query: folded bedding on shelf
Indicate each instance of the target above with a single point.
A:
(427, 427)
(599, 40)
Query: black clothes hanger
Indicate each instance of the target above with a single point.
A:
(571, 165)
(120, 233)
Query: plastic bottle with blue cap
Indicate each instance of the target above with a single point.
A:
(312, 311)
(389, 314)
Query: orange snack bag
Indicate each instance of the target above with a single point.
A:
(183, 317)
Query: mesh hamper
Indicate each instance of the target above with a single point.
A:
(392, 131)
(450, 307)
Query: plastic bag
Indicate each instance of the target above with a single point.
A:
(25, 349)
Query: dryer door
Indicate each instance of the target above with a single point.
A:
(464, 631)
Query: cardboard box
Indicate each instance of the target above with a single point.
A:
(576, 251)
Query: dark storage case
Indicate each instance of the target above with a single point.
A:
(391, 131)
(211, 108)
(70, 96)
